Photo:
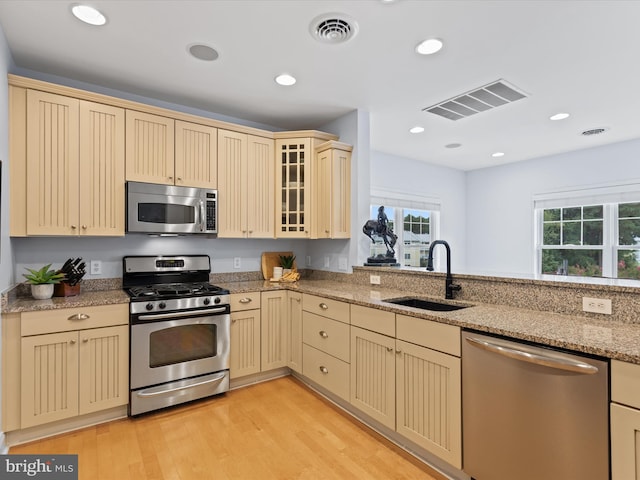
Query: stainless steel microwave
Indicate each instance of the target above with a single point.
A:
(171, 210)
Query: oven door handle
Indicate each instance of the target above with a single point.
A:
(216, 379)
(160, 316)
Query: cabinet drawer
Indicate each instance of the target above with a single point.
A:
(327, 308)
(434, 335)
(625, 383)
(67, 319)
(326, 371)
(244, 301)
(325, 334)
(375, 320)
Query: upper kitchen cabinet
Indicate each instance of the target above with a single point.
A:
(246, 171)
(295, 166)
(196, 155)
(332, 208)
(67, 165)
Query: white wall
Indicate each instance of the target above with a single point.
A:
(500, 206)
(412, 177)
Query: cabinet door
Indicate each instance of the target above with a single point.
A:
(324, 203)
(294, 331)
(260, 188)
(340, 221)
(293, 172)
(245, 343)
(429, 400)
(373, 371)
(625, 436)
(101, 180)
(274, 330)
(52, 164)
(196, 155)
(49, 369)
(149, 148)
(232, 173)
(104, 368)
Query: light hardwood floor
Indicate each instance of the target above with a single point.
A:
(274, 430)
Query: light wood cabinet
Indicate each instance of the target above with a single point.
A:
(70, 364)
(196, 153)
(74, 166)
(332, 206)
(246, 186)
(294, 160)
(150, 148)
(625, 421)
(245, 335)
(294, 331)
(274, 330)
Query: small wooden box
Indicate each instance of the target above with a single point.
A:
(63, 289)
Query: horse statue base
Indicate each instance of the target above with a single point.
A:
(381, 261)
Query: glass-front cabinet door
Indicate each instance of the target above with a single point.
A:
(294, 158)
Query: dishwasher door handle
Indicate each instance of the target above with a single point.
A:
(536, 358)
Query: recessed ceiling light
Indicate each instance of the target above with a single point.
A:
(285, 79)
(88, 15)
(453, 145)
(416, 129)
(559, 116)
(497, 154)
(429, 46)
(203, 52)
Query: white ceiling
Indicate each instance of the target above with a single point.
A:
(581, 57)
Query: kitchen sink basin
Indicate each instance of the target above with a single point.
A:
(425, 304)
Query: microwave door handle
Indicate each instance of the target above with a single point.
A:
(203, 217)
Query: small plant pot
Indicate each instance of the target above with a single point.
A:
(42, 291)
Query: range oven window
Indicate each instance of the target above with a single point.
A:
(166, 213)
(182, 344)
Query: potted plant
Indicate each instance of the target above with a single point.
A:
(287, 263)
(42, 281)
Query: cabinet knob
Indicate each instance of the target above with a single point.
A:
(324, 370)
(245, 300)
(73, 227)
(85, 340)
(323, 306)
(234, 320)
(297, 300)
(84, 227)
(179, 179)
(389, 349)
(72, 342)
(326, 231)
(323, 334)
(398, 351)
(79, 316)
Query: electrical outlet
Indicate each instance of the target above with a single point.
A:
(96, 267)
(236, 262)
(342, 264)
(327, 261)
(308, 260)
(374, 279)
(596, 305)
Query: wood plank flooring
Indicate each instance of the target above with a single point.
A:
(274, 430)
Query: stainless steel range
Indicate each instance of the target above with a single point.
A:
(179, 331)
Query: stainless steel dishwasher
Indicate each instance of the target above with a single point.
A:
(532, 413)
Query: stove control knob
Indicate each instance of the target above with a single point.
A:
(149, 306)
(162, 305)
(217, 300)
(206, 301)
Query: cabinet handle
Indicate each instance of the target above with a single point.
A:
(297, 300)
(323, 306)
(389, 349)
(72, 342)
(326, 231)
(79, 316)
(234, 320)
(179, 179)
(245, 300)
(85, 340)
(73, 227)
(398, 351)
(324, 370)
(323, 334)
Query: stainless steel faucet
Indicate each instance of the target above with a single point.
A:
(449, 286)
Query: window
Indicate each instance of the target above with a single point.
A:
(590, 240)
(414, 236)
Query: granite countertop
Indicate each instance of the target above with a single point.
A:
(609, 339)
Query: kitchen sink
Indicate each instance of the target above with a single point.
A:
(425, 304)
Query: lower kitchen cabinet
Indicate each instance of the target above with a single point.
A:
(244, 351)
(274, 330)
(294, 331)
(625, 421)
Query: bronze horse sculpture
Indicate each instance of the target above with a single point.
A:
(375, 227)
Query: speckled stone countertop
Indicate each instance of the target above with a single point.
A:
(609, 339)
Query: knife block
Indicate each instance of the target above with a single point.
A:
(63, 289)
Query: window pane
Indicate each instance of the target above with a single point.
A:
(592, 232)
(593, 212)
(571, 233)
(415, 236)
(551, 234)
(573, 213)
(584, 263)
(629, 264)
(627, 210)
(552, 214)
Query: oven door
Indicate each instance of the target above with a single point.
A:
(166, 350)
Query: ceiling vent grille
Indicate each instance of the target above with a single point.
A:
(333, 28)
(478, 100)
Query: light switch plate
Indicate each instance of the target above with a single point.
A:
(237, 263)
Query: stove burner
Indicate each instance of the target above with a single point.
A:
(174, 290)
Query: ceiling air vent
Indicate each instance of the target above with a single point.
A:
(594, 131)
(478, 100)
(333, 28)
